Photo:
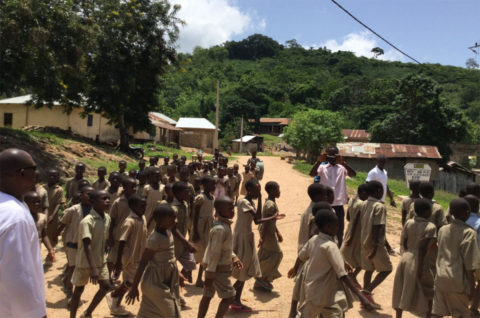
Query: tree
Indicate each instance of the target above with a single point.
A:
(312, 130)
(134, 46)
(471, 63)
(421, 117)
(254, 47)
(377, 51)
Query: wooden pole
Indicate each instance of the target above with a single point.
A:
(241, 136)
(217, 106)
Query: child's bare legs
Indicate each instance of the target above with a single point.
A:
(430, 305)
(199, 282)
(367, 278)
(398, 313)
(222, 307)
(102, 291)
(68, 277)
(77, 293)
(376, 281)
(238, 292)
(110, 267)
(293, 309)
(120, 291)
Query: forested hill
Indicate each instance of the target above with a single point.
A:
(260, 77)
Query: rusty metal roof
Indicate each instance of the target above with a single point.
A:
(355, 134)
(372, 150)
(280, 121)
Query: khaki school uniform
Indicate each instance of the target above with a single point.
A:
(457, 253)
(244, 242)
(406, 203)
(238, 177)
(115, 195)
(96, 228)
(374, 213)
(245, 178)
(205, 223)
(41, 225)
(410, 293)
(218, 259)
(269, 254)
(160, 283)
(55, 197)
(231, 185)
(325, 294)
(438, 217)
(153, 196)
(163, 170)
(183, 220)
(42, 192)
(71, 218)
(119, 211)
(71, 187)
(101, 185)
(352, 252)
(134, 233)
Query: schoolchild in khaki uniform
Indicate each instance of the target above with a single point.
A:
(153, 193)
(413, 283)
(114, 190)
(308, 229)
(164, 167)
(351, 246)
(71, 187)
(171, 176)
(142, 181)
(238, 176)
(101, 183)
(243, 240)
(160, 283)
(119, 211)
(203, 218)
(458, 259)
(325, 275)
(438, 217)
(56, 199)
(219, 259)
(91, 263)
(132, 241)
(269, 254)
(197, 185)
(247, 175)
(407, 202)
(122, 169)
(231, 183)
(168, 198)
(374, 253)
(70, 221)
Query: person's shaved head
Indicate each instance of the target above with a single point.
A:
(460, 209)
(17, 172)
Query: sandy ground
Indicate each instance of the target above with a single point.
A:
(292, 202)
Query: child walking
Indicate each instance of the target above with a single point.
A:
(90, 263)
(325, 275)
(71, 187)
(269, 254)
(247, 175)
(238, 176)
(218, 260)
(153, 193)
(160, 283)
(413, 283)
(202, 223)
(56, 199)
(114, 190)
(243, 240)
(101, 183)
(406, 203)
(438, 217)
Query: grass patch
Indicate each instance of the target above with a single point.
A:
(303, 167)
(270, 140)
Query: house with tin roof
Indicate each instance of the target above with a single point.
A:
(196, 133)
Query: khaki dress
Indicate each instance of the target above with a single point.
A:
(244, 242)
(409, 293)
(352, 252)
(160, 283)
(269, 254)
(205, 223)
(246, 177)
(153, 196)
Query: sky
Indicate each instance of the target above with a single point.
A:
(431, 31)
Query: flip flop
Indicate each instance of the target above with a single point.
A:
(240, 308)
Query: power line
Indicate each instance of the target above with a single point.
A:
(371, 30)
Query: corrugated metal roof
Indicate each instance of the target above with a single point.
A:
(20, 100)
(161, 117)
(163, 125)
(355, 134)
(246, 138)
(372, 150)
(280, 121)
(198, 123)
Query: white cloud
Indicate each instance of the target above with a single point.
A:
(361, 44)
(212, 22)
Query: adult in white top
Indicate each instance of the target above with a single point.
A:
(333, 175)
(22, 287)
(379, 173)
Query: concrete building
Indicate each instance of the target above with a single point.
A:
(196, 133)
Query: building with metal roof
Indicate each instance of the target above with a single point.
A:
(358, 135)
(196, 133)
(195, 123)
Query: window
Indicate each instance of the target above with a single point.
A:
(90, 120)
(7, 119)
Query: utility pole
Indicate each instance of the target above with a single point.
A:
(217, 106)
(241, 136)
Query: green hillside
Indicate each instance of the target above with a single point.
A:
(260, 77)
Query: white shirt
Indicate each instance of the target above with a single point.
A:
(376, 174)
(22, 287)
(334, 177)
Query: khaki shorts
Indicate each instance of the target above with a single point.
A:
(451, 304)
(128, 272)
(307, 310)
(380, 262)
(81, 276)
(221, 285)
(71, 255)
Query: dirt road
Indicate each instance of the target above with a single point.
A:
(292, 202)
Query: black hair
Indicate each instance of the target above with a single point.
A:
(127, 180)
(102, 168)
(414, 184)
(374, 187)
(178, 187)
(473, 202)
(168, 186)
(80, 164)
(325, 217)
(135, 199)
(270, 186)
(473, 188)
(462, 193)
(426, 189)
(122, 162)
(207, 179)
(362, 188)
(423, 208)
(95, 194)
(250, 184)
(83, 184)
(457, 206)
(331, 149)
(142, 161)
(53, 170)
(316, 189)
(163, 210)
(27, 196)
(320, 206)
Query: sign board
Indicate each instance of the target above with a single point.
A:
(418, 172)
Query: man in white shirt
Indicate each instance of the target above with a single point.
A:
(380, 174)
(333, 175)
(22, 287)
